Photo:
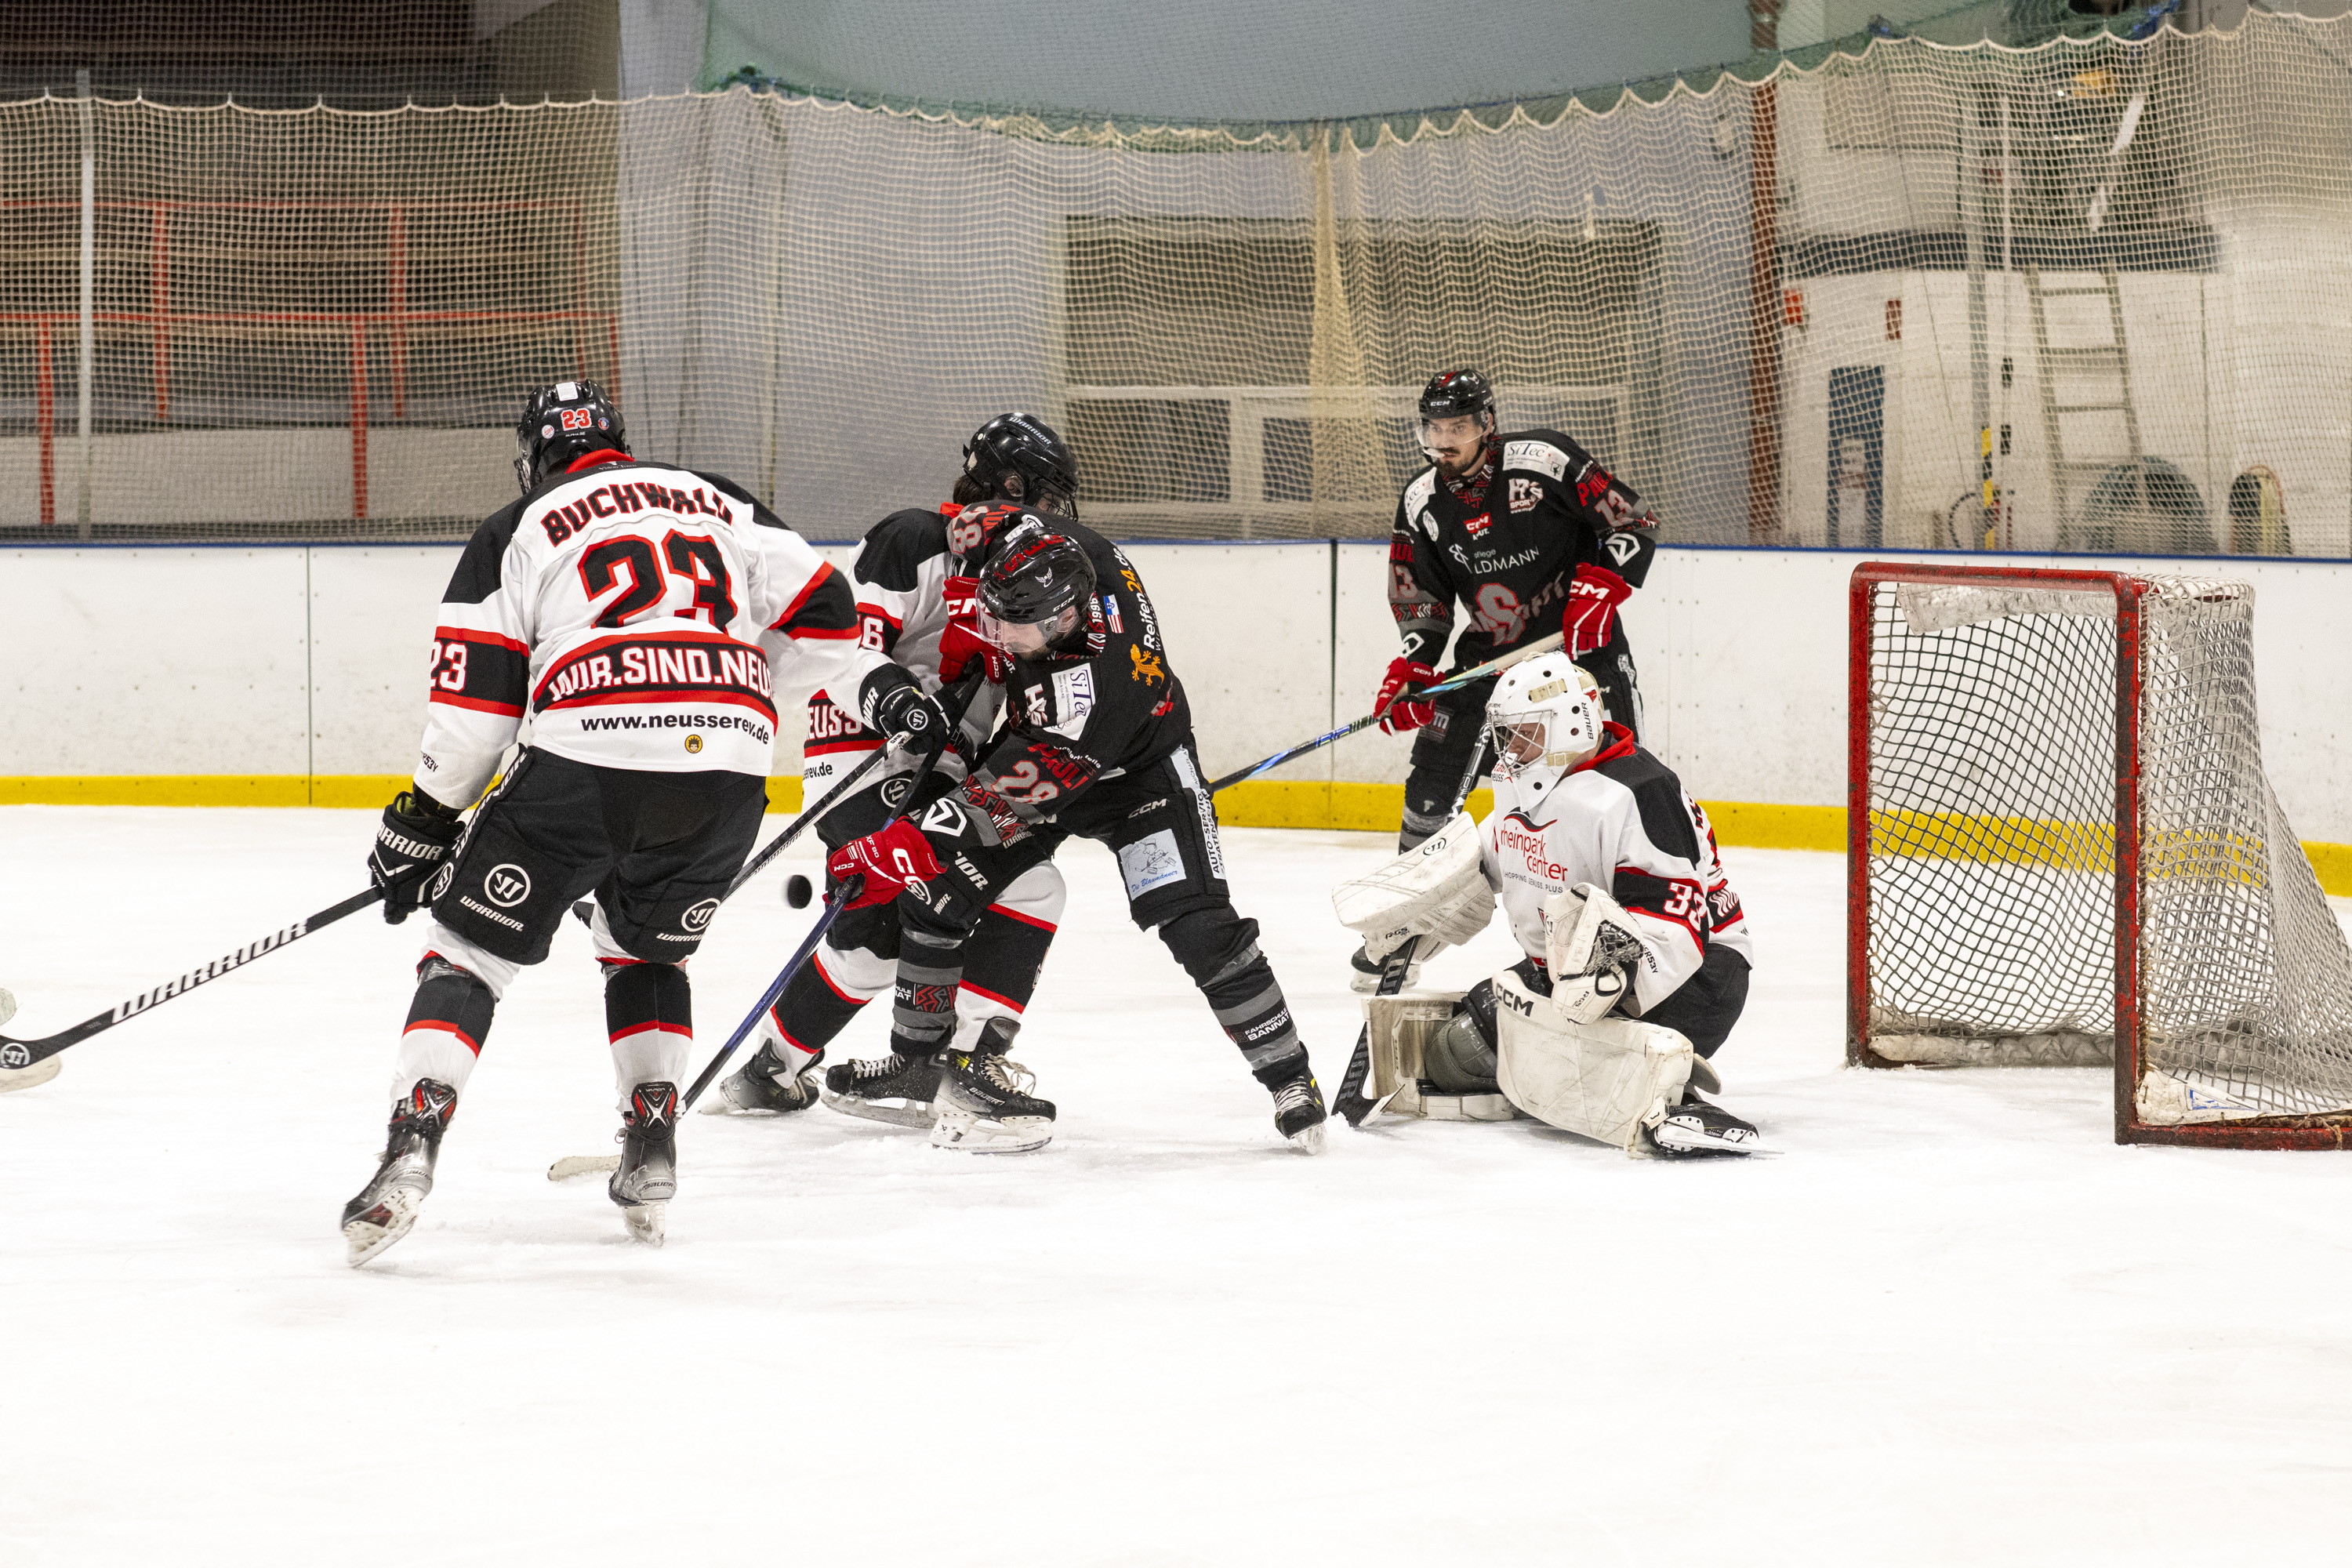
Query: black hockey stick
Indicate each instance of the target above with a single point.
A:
(18, 1056)
(1352, 1101)
(1409, 694)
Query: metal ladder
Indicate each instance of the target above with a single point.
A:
(2072, 479)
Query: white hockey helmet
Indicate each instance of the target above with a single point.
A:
(1544, 721)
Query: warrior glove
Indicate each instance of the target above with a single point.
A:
(411, 843)
(894, 705)
(1398, 712)
(888, 860)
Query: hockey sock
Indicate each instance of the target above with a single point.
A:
(923, 1017)
(1001, 966)
(1219, 950)
(649, 1013)
(447, 1021)
(812, 1010)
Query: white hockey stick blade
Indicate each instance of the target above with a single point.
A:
(572, 1165)
(13, 1078)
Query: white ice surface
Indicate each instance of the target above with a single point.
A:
(1951, 1323)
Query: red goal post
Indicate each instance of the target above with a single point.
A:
(2062, 850)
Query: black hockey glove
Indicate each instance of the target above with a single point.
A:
(894, 705)
(410, 844)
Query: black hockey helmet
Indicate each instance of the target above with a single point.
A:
(1036, 589)
(1024, 445)
(561, 423)
(1454, 392)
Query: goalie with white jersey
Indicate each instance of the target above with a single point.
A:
(1638, 950)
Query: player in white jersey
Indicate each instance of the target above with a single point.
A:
(915, 577)
(637, 617)
(1637, 949)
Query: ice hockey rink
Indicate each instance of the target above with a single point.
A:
(1948, 1321)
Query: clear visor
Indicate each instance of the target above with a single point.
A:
(1453, 429)
(1026, 639)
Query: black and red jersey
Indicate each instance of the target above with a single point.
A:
(1506, 545)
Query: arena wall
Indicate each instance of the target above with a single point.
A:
(260, 675)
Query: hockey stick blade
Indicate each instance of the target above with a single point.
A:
(572, 1165)
(1451, 683)
(1351, 1102)
(16, 1055)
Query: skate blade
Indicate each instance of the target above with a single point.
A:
(572, 1165)
(40, 1072)
(1679, 1145)
(907, 1113)
(971, 1134)
(392, 1218)
(1309, 1139)
(647, 1223)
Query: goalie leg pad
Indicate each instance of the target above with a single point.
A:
(1435, 889)
(1606, 1081)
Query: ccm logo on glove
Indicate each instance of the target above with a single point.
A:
(888, 860)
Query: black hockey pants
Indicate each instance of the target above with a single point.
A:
(1157, 819)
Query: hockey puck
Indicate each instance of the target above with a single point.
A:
(797, 891)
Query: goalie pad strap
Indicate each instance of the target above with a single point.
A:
(1434, 889)
(1606, 1081)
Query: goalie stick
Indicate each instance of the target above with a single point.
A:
(1351, 1102)
(1409, 694)
(20, 1061)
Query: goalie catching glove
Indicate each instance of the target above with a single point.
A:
(1595, 952)
(1435, 889)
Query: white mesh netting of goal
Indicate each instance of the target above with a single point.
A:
(1998, 739)
(1831, 307)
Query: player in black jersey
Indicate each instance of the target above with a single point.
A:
(1097, 743)
(916, 582)
(1532, 536)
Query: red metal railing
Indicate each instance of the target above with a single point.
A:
(394, 317)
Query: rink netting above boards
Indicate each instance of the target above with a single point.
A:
(2056, 299)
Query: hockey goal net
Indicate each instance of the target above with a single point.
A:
(2063, 851)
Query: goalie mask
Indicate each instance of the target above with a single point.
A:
(1544, 721)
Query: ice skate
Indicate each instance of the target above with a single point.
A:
(1298, 1112)
(763, 1090)
(387, 1206)
(1696, 1128)
(898, 1088)
(647, 1178)
(1364, 975)
(984, 1104)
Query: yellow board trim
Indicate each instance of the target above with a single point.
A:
(1266, 803)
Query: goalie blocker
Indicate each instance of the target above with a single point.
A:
(1637, 950)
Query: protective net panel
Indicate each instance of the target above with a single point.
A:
(1829, 307)
(1992, 864)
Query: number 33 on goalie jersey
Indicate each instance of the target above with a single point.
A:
(642, 615)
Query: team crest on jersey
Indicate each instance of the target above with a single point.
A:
(1479, 524)
(1148, 667)
(1525, 493)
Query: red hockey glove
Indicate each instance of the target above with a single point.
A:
(1592, 601)
(1397, 718)
(962, 643)
(888, 860)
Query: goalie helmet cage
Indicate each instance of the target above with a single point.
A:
(2063, 850)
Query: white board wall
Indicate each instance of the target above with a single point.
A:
(243, 660)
